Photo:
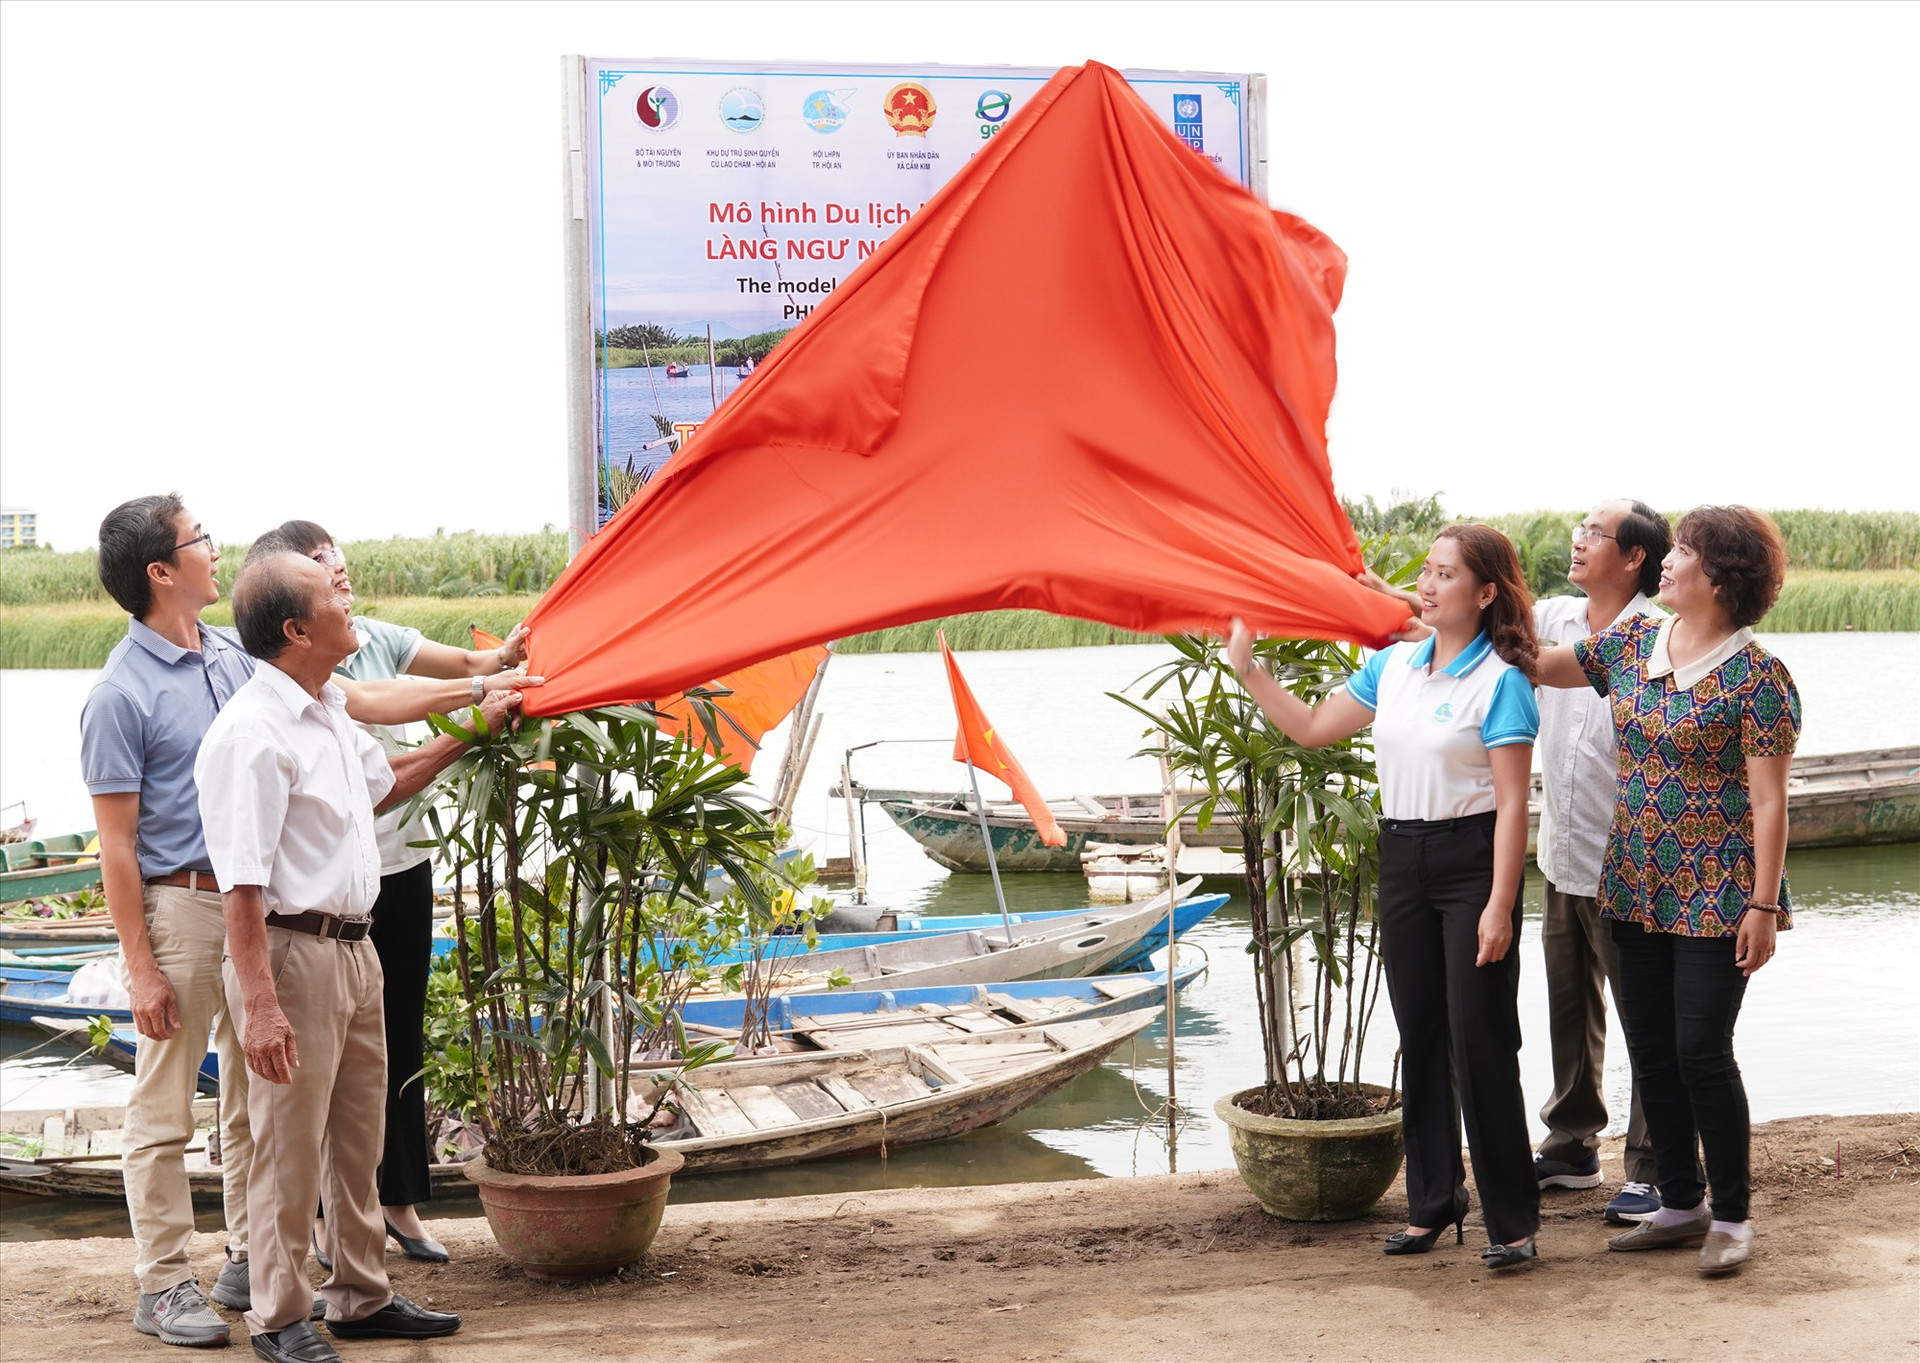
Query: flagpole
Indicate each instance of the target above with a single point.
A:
(1171, 809)
(986, 836)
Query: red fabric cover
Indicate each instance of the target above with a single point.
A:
(1090, 377)
(977, 742)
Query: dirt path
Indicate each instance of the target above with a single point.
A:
(1153, 1268)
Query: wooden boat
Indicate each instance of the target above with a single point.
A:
(63, 958)
(1849, 799)
(1081, 944)
(948, 829)
(37, 868)
(80, 1156)
(26, 994)
(897, 1068)
(891, 926)
(752, 1114)
(677, 371)
(122, 1047)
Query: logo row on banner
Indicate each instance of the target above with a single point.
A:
(909, 109)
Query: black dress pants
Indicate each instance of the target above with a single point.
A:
(1459, 1028)
(402, 937)
(1679, 999)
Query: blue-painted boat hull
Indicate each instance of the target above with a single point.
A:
(1191, 911)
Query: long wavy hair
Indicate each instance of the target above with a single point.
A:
(1508, 618)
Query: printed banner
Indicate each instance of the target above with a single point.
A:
(725, 201)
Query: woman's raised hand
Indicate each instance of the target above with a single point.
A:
(1240, 648)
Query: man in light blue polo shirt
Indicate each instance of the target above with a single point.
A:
(140, 734)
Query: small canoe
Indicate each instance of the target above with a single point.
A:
(1080, 944)
(27, 993)
(122, 1047)
(948, 828)
(80, 1151)
(754, 1114)
(859, 1073)
(40, 868)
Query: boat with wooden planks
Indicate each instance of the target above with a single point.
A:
(905, 1088)
(1848, 799)
(77, 1153)
(37, 868)
(856, 1071)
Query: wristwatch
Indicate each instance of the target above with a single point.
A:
(479, 689)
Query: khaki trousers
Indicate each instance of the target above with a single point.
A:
(319, 1136)
(1581, 964)
(188, 934)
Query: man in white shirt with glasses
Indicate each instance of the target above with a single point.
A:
(1616, 558)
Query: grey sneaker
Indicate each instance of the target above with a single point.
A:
(180, 1315)
(234, 1289)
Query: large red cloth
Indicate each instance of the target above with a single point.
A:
(978, 744)
(1091, 376)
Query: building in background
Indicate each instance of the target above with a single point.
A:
(18, 529)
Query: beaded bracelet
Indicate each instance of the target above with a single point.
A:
(1764, 908)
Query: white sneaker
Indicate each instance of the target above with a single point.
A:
(180, 1315)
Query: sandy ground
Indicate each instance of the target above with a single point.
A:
(1180, 1267)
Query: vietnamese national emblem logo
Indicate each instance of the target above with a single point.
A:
(657, 108)
(909, 109)
(742, 109)
(825, 111)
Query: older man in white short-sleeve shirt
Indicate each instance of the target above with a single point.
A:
(1616, 558)
(288, 786)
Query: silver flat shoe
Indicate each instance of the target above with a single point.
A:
(1723, 1253)
(1646, 1235)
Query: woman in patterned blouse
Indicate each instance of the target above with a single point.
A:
(1693, 880)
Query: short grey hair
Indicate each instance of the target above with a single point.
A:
(268, 594)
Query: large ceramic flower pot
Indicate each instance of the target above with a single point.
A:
(1313, 1171)
(576, 1226)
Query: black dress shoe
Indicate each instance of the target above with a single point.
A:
(1501, 1257)
(298, 1343)
(425, 1248)
(398, 1319)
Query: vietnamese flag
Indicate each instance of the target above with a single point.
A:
(979, 745)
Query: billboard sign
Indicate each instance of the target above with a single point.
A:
(713, 205)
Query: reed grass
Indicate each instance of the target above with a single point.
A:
(1823, 602)
(81, 635)
(458, 565)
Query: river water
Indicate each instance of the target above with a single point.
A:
(1826, 1028)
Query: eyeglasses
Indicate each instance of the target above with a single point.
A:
(1584, 533)
(206, 539)
(330, 557)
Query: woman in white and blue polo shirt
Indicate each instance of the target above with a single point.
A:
(1453, 722)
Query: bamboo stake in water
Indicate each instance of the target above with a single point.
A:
(986, 836)
(1170, 807)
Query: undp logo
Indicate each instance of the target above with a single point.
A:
(742, 109)
(993, 106)
(1186, 121)
(1186, 108)
(824, 111)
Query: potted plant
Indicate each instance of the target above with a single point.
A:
(1313, 1141)
(583, 846)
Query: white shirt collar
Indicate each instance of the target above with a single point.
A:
(294, 696)
(1660, 661)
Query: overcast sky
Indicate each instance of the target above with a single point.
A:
(297, 259)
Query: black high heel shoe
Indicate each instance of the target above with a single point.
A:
(1498, 1257)
(426, 1248)
(1402, 1243)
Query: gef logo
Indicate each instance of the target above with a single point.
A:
(1186, 121)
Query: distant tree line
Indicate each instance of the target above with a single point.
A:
(663, 343)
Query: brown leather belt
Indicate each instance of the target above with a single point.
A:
(322, 925)
(201, 882)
